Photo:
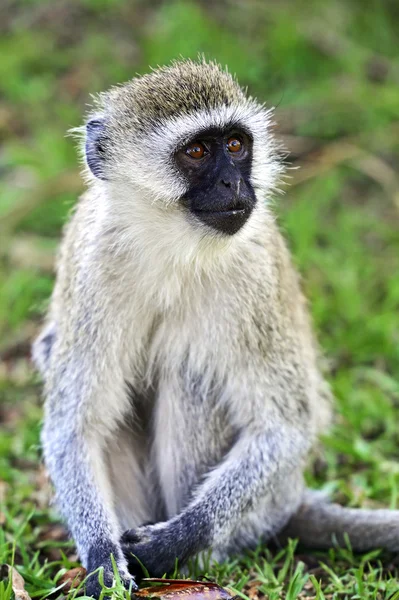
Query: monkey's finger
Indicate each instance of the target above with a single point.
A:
(131, 536)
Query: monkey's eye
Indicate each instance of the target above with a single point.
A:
(196, 150)
(234, 144)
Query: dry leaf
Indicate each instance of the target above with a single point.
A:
(186, 588)
(72, 578)
(17, 581)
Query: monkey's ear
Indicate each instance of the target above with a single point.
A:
(95, 146)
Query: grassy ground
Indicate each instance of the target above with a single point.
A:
(332, 70)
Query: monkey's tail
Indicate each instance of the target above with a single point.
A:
(320, 524)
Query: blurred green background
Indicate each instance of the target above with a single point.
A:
(332, 70)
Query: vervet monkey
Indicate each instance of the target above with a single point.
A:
(181, 373)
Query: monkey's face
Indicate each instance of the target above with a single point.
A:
(211, 169)
(217, 168)
(182, 153)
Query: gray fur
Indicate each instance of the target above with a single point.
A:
(182, 386)
(332, 524)
(180, 89)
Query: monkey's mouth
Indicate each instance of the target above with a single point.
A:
(228, 221)
(230, 211)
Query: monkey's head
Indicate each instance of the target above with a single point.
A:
(187, 140)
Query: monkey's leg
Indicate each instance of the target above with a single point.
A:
(319, 524)
(267, 518)
(43, 346)
(228, 493)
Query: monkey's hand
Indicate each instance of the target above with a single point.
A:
(99, 559)
(156, 547)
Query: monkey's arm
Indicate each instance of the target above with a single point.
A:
(85, 397)
(232, 489)
(73, 450)
(72, 460)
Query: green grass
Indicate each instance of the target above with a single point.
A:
(332, 69)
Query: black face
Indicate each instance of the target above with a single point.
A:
(217, 165)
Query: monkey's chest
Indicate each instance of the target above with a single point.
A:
(183, 406)
(191, 435)
(190, 425)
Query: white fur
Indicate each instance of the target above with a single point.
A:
(145, 160)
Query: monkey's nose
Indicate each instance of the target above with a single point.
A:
(232, 183)
(226, 182)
